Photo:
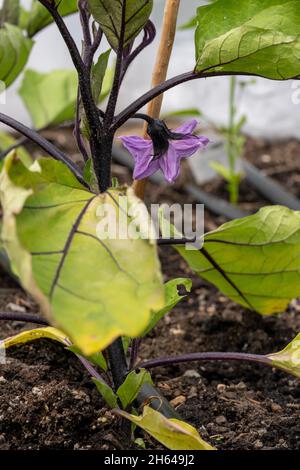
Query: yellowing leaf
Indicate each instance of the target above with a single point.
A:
(289, 358)
(172, 433)
(92, 287)
(39, 333)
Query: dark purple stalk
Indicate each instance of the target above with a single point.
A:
(23, 317)
(206, 356)
(99, 144)
(112, 102)
(174, 241)
(135, 345)
(118, 363)
(44, 144)
(165, 86)
(149, 36)
(77, 131)
(90, 368)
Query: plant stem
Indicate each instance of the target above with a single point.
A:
(43, 143)
(174, 241)
(149, 36)
(118, 363)
(113, 98)
(89, 105)
(135, 345)
(206, 356)
(160, 72)
(23, 317)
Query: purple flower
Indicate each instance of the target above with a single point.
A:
(165, 151)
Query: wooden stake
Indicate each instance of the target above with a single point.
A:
(160, 72)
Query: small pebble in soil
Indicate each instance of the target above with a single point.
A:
(276, 408)
(221, 420)
(221, 388)
(258, 444)
(192, 373)
(241, 386)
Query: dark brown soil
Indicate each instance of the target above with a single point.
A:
(47, 400)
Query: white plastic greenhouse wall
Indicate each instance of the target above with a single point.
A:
(272, 108)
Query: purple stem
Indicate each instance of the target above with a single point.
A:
(135, 345)
(167, 85)
(44, 144)
(77, 132)
(23, 317)
(112, 102)
(206, 356)
(149, 36)
(92, 371)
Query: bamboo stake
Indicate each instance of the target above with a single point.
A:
(160, 72)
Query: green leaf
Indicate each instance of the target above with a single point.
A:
(39, 17)
(259, 38)
(54, 234)
(172, 299)
(108, 13)
(32, 335)
(255, 260)
(289, 358)
(49, 97)
(10, 12)
(107, 393)
(172, 433)
(14, 53)
(133, 383)
(98, 74)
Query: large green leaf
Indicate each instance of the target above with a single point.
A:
(260, 38)
(172, 433)
(255, 260)
(14, 53)
(51, 97)
(93, 288)
(108, 13)
(39, 17)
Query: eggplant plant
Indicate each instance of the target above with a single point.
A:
(99, 295)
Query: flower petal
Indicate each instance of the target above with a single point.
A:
(170, 164)
(136, 145)
(144, 168)
(189, 145)
(188, 127)
(142, 152)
